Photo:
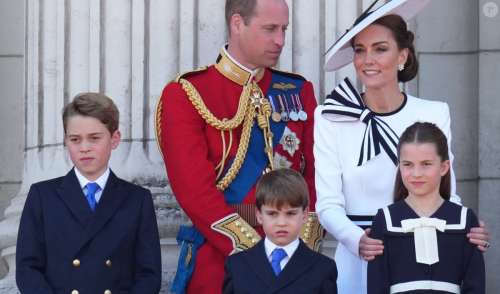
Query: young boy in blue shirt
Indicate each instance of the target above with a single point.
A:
(281, 263)
(88, 231)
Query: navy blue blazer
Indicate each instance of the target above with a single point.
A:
(307, 272)
(460, 268)
(63, 246)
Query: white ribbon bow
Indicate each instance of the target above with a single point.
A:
(424, 230)
(345, 104)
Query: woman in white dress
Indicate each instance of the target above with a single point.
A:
(356, 135)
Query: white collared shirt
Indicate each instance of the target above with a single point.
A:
(289, 249)
(101, 181)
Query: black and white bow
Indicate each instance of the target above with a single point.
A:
(345, 104)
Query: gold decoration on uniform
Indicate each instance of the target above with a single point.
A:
(242, 235)
(252, 104)
(158, 114)
(283, 86)
(290, 141)
(312, 232)
(263, 110)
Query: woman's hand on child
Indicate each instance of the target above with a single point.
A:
(480, 236)
(369, 248)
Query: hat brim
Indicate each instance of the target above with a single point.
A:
(342, 53)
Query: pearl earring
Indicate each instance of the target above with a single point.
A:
(401, 67)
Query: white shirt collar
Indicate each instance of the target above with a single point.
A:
(101, 181)
(289, 248)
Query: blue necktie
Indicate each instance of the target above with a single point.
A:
(92, 188)
(276, 257)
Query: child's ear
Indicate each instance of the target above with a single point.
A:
(115, 139)
(258, 215)
(306, 214)
(445, 167)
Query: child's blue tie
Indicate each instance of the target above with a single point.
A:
(92, 188)
(276, 257)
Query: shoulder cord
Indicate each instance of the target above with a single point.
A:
(228, 125)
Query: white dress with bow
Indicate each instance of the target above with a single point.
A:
(348, 194)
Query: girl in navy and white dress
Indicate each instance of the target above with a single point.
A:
(356, 135)
(424, 234)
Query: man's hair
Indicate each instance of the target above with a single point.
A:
(94, 105)
(245, 8)
(282, 187)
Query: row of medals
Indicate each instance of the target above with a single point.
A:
(290, 108)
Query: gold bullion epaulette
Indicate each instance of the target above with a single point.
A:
(190, 73)
(312, 232)
(242, 235)
(287, 73)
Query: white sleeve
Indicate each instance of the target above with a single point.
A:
(330, 202)
(445, 126)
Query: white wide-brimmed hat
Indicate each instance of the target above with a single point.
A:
(341, 52)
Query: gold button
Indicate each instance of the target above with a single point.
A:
(254, 240)
(76, 263)
(237, 223)
(249, 236)
(243, 229)
(108, 263)
(107, 292)
(75, 292)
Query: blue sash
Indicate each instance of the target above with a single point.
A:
(189, 238)
(256, 159)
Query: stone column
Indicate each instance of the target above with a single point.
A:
(447, 51)
(489, 136)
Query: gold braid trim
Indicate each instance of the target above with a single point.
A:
(312, 232)
(208, 116)
(245, 114)
(242, 235)
(158, 114)
(240, 153)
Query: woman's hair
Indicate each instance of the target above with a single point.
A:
(420, 133)
(404, 38)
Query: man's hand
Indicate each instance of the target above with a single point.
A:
(479, 236)
(369, 248)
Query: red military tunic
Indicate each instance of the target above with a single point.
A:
(192, 149)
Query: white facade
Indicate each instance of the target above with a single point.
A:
(130, 49)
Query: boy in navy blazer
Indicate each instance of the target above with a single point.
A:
(89, 231)
(281, 263)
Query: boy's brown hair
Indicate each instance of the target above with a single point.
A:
(96, 105)
(282, 187)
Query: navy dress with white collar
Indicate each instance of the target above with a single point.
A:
(460, 265)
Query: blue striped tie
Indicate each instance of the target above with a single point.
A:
(92, 188)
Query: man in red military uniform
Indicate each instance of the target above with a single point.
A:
(221, 127)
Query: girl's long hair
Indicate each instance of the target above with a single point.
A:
(419, 133)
